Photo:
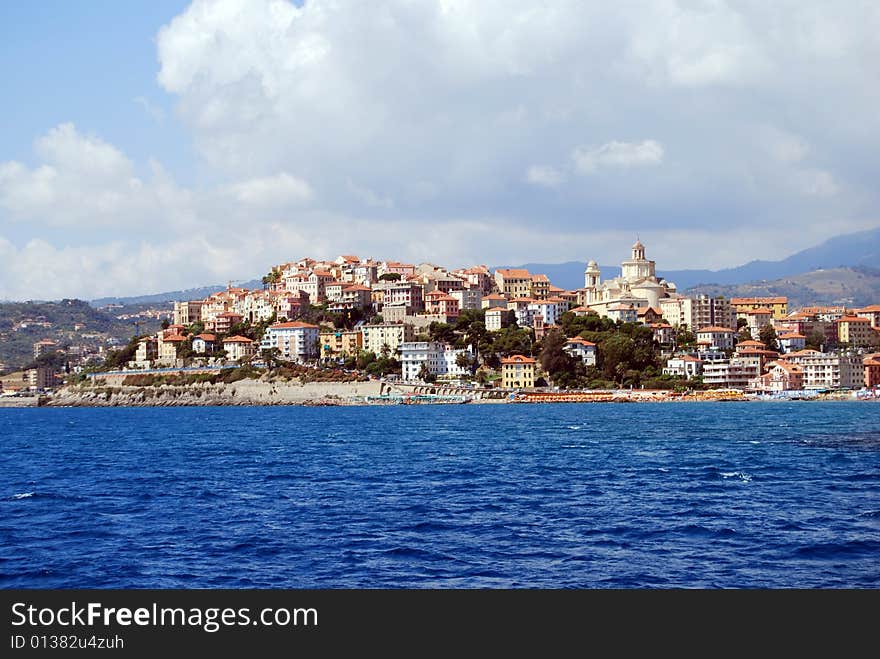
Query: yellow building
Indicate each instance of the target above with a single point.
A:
(540, 287)
(517, 372)
(341, 343)
(514, 282)
(777, 305)
(855, 331)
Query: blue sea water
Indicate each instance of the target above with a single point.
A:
(578, 495)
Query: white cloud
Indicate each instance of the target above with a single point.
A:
(544, 176)
(444, 130)
(617, 154)
(278, 190)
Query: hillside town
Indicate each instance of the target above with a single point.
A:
(511, 329)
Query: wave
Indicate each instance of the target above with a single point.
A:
(23, 495)
(743, 476)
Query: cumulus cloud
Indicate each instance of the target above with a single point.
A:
(617, 154)
(544, 176)
(277, 190)
(497, 131)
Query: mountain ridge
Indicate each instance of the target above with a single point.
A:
(847, 250)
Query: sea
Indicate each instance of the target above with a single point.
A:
(655, 495)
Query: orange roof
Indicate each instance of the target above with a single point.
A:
(751, 343)
(689, 358)
(644, 311)
(350, 259)
(237, 339)
(762, 310)
(524, 300)
(852, 319)
(229, 314)
(494, 296)
(293, 325)
(622, 307)
(758, 300)
(715, 329)
(809, 352)
(557, 300)
(174, 338)
(357, 287)
(206, 337)
(541, 278)
(514, 273)
(874, 308)
(662, 325)
(792, 335)
(583, 342)
(587, 309)
(556, 289)
(517, 359)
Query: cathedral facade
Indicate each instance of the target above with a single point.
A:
(636, 287)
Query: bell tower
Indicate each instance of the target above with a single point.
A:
(592, 276)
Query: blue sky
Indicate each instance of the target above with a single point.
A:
(86, 62)
(147, 146)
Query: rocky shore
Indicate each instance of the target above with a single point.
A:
(242, 392)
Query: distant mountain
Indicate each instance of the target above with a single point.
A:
(171, 296)
(850, 250)
(851, 287)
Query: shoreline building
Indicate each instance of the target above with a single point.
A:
(638, 285)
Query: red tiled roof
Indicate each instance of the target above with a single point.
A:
(517, 359)
(715, 329)
(514, 273)
(293, 325)
(174, 338)
(206, 337)
(237, 339)
(758, 300)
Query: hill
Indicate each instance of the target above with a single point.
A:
(852, 287)
(67, 322)
(171, 296)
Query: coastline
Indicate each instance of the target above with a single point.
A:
(374, 392)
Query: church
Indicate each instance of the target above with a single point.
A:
(637, 287)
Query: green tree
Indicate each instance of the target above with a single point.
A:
(767, 336)
(815, 340)
(390, 276)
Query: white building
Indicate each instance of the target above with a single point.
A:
(829, 371)
(468, 298)
(386, 337)
(439, 359)
(792, 341)
(721, 338)
(735, 372)
(296, 341)
(582, 349)
(685, 366)
(238, 347)
(699, 311)
(495, 319)
(638, 284)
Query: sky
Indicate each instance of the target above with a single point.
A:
(157, 145)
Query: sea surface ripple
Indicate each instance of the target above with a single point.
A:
(567, 495)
